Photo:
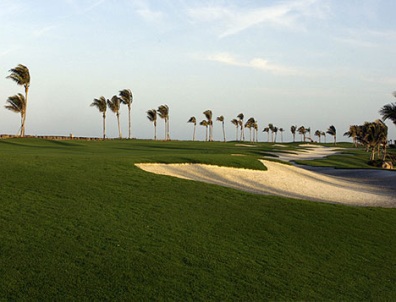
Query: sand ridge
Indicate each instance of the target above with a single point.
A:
(283, 180)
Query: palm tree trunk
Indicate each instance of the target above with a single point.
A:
(195, 126)
(129, 121)
(119, 126)
(236, 137)
(24, 114)
(206, 133)
(104, 125)
(223, 132)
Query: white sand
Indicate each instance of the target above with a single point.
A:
(283, 180)
(310, 152)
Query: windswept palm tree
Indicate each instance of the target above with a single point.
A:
(293, 130)
(271, 128)
(163, 112)
(324, 135)
(318, 134)
(194, 121)
(208, 114)
(332, 131)
(276, 133)
(281, 130)
(221, 119)
(21, 76)
(389, 111)
(17, 104)
(241, 116)
(302, 131)
(236, 124)
(353, 132)
(114, 105)
(250, 124)
(101, 104)
(127, 99)
(266, 129)
(152, 116)
(309, 133)
(206, 124)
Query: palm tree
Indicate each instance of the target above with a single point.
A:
(101, 104)
(114, 105)
(241, 116)
(206, 124)
(293, 131)
(309, 133)
(194, 121)
(266, 129)
(318, 134)
(276, 133)
(152, 116)
(301, 130)
(221, 119)
(353, 132)
(324, 135)
(255, 126)
(250, 124)
(236, 124)
(332, 131)
(127, 99)
(271, 128)
(208, 114)
(281, 130)
(21, 76)
(163, 112)
(17, 103)
(389, 111)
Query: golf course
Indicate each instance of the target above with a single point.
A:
(80, 221)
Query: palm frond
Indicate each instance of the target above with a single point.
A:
(389, 112)
(152, 115)
(126, 96)
(192, 120)
(163, 111)
(16, 103)
(20, 75)
(100, 103)
(114, 104)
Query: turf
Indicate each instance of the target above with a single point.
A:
(78, 221)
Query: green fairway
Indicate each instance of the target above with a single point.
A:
(78, 221)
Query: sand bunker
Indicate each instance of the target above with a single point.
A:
(285, 180)
(311, 152)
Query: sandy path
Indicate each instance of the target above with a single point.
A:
(290, 181)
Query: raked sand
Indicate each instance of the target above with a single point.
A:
(286, 180)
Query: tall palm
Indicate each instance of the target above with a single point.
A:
(271, 128)
(309, 133)
(266, 129)
(208, 114)
(152, 116)
(318, 134)
(255, 126)
(101, 104)
(127, 99)
(293, 130)
(206, 124)
(114, 105)
(17, 103)
(389, 111)
(194, 121)
(249, 125)
(276, 133)
(21, 76)
(324, 135)
(353, 132)
(236, 124)
(281, 130)
(221, 119)
(332, 131)
(241, 116)
(163, 112)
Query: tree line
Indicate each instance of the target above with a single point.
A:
(372, 135)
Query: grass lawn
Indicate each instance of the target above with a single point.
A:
(78, 221)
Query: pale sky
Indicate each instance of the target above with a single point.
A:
(314, 63)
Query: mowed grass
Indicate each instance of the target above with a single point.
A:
(78, 221)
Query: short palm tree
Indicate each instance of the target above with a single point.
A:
(332, 131)
(208, 114)
(293, 130)
(236, 124)
(101, 104)
(127, 99)
(281, 130)
(194, 121)
(114, 105)
(205, 124)
(17, 104)
(152, 116)
(302, 131)
(353, 132)
(241, 116)
(266, 129)
(221, 119)
(163, 112)
(21, 76)
(318, 134)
